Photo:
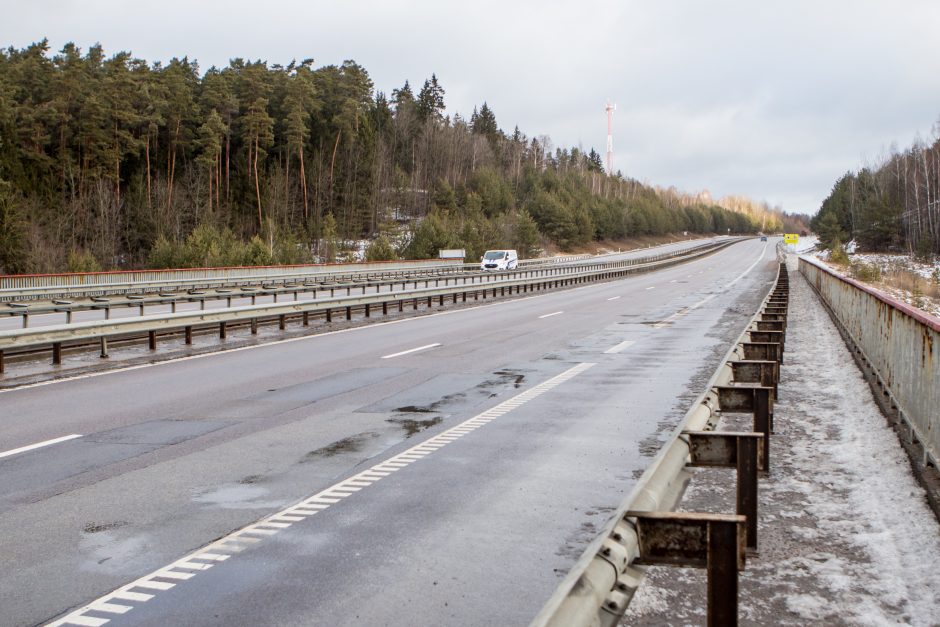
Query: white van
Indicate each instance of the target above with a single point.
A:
(499, 260)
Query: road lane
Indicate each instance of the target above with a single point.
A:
(300, 414)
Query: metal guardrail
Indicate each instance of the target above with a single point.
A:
(37, 286)
(99, 283)
(598, 589)
(531, 280)
(138, 295)
(899, 342)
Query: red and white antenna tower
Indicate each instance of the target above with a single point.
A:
(610, 136)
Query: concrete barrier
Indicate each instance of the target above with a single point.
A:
(899, 342)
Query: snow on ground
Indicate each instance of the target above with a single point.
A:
(846, 536)
(896, 272)
(806, 244)
(887, 262)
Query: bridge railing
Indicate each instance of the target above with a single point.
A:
(900, 343)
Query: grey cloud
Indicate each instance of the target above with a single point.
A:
(769, 99)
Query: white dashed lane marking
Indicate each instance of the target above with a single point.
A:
(549, 315)
(100, 611)
(614, 298)
(33, 447)
(705, 300)
(620, 347)
(411, 350)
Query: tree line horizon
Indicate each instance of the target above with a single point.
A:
(115, 162)
(892, 206)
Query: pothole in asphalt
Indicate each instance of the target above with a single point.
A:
(99, 527)
(414, 409)
(516, 378)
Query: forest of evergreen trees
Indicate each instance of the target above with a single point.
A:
(892, 207)
(114, 162)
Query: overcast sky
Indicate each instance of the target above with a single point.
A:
(772, 99)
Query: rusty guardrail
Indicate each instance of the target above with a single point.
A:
(899, 342)
(57, 336)
(644, 530)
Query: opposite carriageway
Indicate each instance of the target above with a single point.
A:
(456, 288)
(63, 296)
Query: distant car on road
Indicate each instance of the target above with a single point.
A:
(499, 260)
(763, 238)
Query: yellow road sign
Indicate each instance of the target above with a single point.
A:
(791, 238)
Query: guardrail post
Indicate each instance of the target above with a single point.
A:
(188, 332)
(349, 313)
(329, 315)
(2, 368)
(723, 449)
(764, 372)
(711, 541)
(282, 322)
(755, 399)
(367, 310)
(104, 347)
(152, 340)
(306, 318)
(57, 353)
(25, 320)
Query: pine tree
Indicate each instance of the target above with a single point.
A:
(430, 103)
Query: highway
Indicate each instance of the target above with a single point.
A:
(556, 402)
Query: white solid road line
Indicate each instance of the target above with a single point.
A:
(674, 281)
(31, 447)
(411, 350)
(684, 311)
(614, 298)
(551, 314)
(651, 287)
(620, 347)
(239, 540)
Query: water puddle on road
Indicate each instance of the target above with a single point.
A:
(412, 427)
(352, 444)
(237, 496)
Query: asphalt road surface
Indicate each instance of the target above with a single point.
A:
(445, 469)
